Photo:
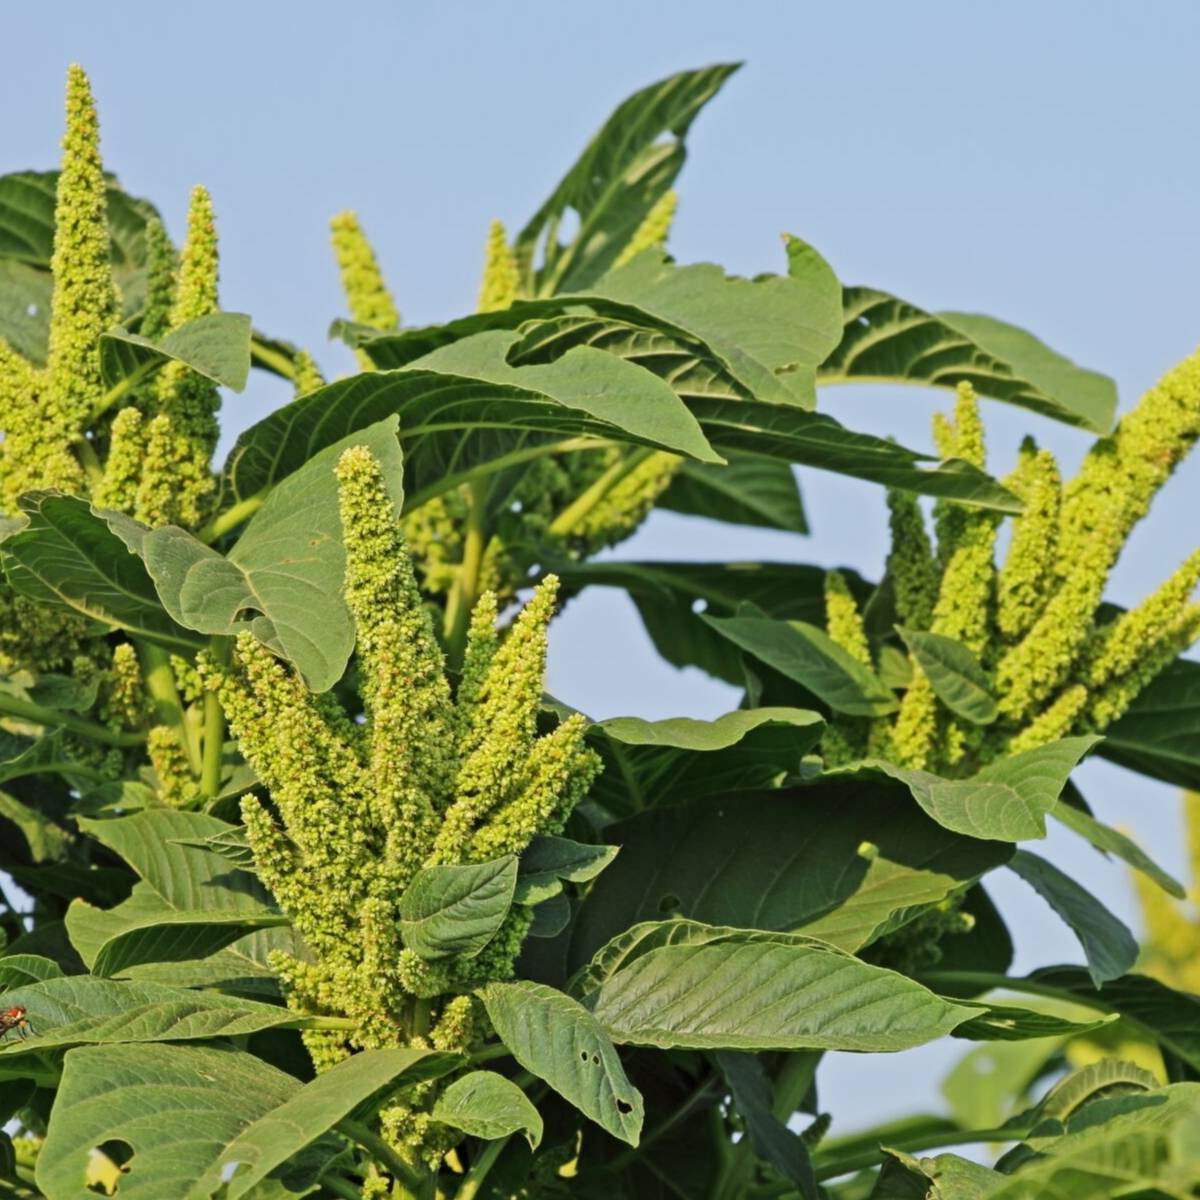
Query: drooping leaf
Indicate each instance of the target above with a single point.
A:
(954, 674)
(887, 340)
(791, 860)
(287, 567)
(558, 1040)
(1007, 800)
(655, 763)
(622, 173)
(66, 555)
(17, 970)
(310, 1112)
(550, 861)
(808, 655)
(216, 346)
(457, 910)
(1110, 948)
(746, 491)
(487, 1105)
(1008, 1023)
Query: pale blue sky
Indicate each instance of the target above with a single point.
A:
(1034, 161)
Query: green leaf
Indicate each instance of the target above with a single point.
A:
(887, 340)
(1105, 1078)
(621, 174)
(16, 970)
(288, 566)
(790, 860)
(67, 555)
(177, 1107)
(954, 674)
(232, 846)
(1110, 948)
(25, 308)
(558, 1040)
(487, 1105)
(756, 994)
(1007, 800)
(655, 763)
(987, 1085)
(457, 910)
(216, 346)
(808, 655)
(1160, 734)
(314, 1110)
(1006, 1023)
(550, 861)
(746, 491)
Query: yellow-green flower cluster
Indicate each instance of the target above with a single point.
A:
(653, 231)
(498, 288)
(1028, 572)
(426, 776)
(367, 294)
(845, 738)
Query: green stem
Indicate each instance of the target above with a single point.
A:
(264, 356)
(214, 728)
(383, 1153)
(474, 1178)
(328, 1024)
(340, 1186)
(488, 1053)
(86, 453)
(36, 714)
(123, 388)
(871, 1158)
(168, 708)
(231, 518)
(571, 516)
(465, 590)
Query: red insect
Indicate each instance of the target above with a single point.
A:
(14, 1018)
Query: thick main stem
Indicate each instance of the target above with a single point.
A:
(214, 728)
(465, 590)
(168, 708)
(383, 1154)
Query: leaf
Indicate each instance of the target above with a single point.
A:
(621, 174)
(1006, 1023)
(655, 763)
(1105, 1078)
(233, 846)
(1007, 800)
(756, 994)
(954, 674)
(457, 910)
(550, 917)
(789, 860)
(66, 555)
(487, 1105)
(16, 970)
(313, 1110)
(887, 340)
(75, 1010)
(216, 346)
(1160, 734)
(1110, 948)
(746, 491)
(988, 1084)
(812, 658)
(549, 861)
(177, 1107)
(558, 1040)
(288, 566)
(771, 1138)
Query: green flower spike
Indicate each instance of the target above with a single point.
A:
(843, 621)
(160, 282)
(1053, 722)
(1027, 576)
(118, 486)
(362, 281)
(911, 564)
(500, 276)
(308, 375)
(653, 230)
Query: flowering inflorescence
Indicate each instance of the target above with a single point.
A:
(427, 775)
(1058, 664)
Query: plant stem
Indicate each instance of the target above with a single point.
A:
(488, 1053)
(574, 513)
(329, 1024)
(123, 388)
(473, 1179)
(86, 453)
(271, 360)
(168, 709)
(465, 591)
(340, 1186)
(36, 714)
(231, 518)
(384, 1154)
(214, 728)
(870, 1158)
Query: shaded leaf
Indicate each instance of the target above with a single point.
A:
(457, 910)
(549, 861)
(1160, 734)
(17, 970)
(954, 674)
(487, 1105)
(1007, 1023)
(746, 491)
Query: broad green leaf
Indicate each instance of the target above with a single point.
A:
(771, 1138)
(1106, 1078)
(558, 1040)
(287, 567)
(25, 308)
(487, 1105)
(746, 491)
(66, 555)
(945, 1177)
(887, 340)
(622, 173)
(457, 910)
(177, 1107)
(1007, 1023)
(808, 655)
(216, 346)
(16, 970)
(1111, 841)
(655, 763)
(233, 846)
(1160, 734)
(1110, 948)
(790, 860)
(312, 1111)
(954, 674)
(762, 995)
(1007, 800)
(550, 861)
(76, 1010)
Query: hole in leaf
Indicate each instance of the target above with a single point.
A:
(865, 321)
(623, 1106)
(668, 903)
(106, 1164)
(583, 1055)
(595, 1060)
(699, 605)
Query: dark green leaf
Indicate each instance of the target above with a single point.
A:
(746, 491)
(954, 674)
(457, 910)
(16, 970)
(548, 861)
(1160, 734)
(487, 1105)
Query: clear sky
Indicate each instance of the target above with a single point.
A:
(1037, 162)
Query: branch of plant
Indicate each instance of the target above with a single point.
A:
(383, 1154)
(168, 708)
(465, 590)
(123, 387)
(214, 728)
(474, 1179)
(569, 519)
(270, 359)
(38, 714)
